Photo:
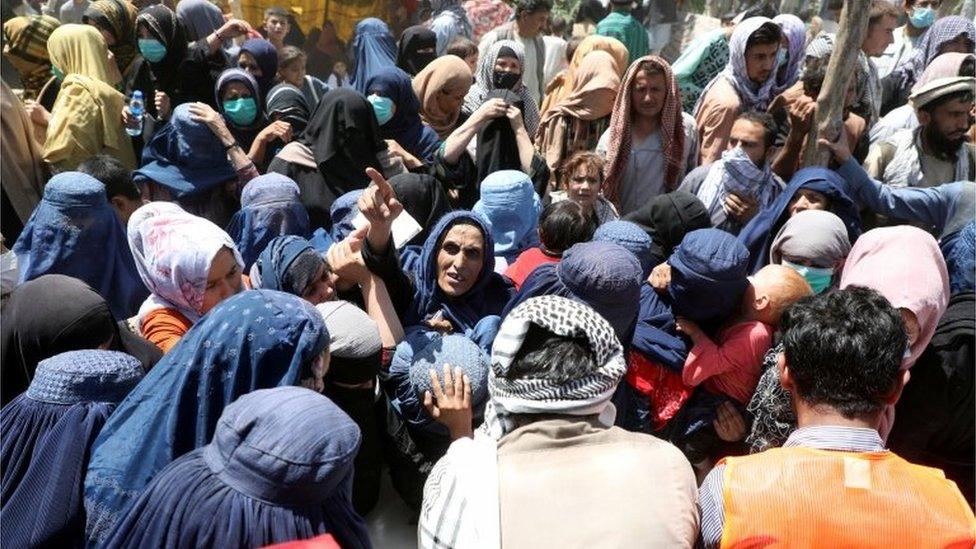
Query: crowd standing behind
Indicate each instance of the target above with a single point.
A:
(564, 289)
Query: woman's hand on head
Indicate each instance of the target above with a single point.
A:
(202, 112)
(233, 28)
(450, 405)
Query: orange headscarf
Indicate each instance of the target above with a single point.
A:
(563, 84)
(447, 72)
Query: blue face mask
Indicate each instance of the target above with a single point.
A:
(153, 50)
(782, 57)
(922, 18)
(819, 278)
(241, 111)
(382, 106)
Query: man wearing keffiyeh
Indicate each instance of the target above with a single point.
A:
(548, 426)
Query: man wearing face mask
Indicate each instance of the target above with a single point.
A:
(741, 183)
(919, 16)
(937, 151)
(530, 17)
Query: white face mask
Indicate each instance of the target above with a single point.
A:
(9, 272)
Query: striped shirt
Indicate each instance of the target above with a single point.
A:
(842, 439)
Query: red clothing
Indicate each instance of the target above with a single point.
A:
(526, 262)
(733, 366)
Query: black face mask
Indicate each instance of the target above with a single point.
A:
(504, 80)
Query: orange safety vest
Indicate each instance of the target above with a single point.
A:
(804, 497)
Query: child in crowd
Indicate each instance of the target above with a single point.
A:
(731, 365)
(465, 49)
(291, 69)
(561, 225)
(339, 78)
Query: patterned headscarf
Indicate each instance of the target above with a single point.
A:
(738, 75)
(822, 46)
(586, 395)
(484, 84)
(943, 30)
(796, 32)
(672, 128)
(26, 40)
(119, 18)
(173, 251)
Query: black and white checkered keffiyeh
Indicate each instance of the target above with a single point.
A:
(588, 395)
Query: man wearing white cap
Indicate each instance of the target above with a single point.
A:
(937, 151)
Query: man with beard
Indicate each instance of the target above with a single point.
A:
(738, 185)
(937, 151)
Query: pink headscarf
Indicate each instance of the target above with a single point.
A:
(173, 251)
(905, 265)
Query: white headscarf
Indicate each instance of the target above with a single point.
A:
(483, 84)
(738, 75)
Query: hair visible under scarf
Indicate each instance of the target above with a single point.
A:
(621, 138)
(587, 395)
(484, 84)
(119, 18)
(164, 26)
(736, 73)
(26, 39)
(288, 264)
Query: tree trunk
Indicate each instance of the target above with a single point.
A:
(840, 72)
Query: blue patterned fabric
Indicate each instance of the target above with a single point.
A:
(47, 434)
(270, 206)
(279, 468)
(253, 340)
(75, 232)
(511, 208)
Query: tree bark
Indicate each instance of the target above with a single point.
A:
(841, 69)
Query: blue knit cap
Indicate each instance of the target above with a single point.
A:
(606, 277)
(708, 275)
(85, 376)
(459, 352)
(632, 238)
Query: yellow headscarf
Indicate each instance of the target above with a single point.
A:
(561, 87)
(80, 49)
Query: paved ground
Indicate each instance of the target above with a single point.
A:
(391, 523)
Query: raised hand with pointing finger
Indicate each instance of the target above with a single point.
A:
(379, 205)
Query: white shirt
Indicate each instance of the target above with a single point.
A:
(897, 52)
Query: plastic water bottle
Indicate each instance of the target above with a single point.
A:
(137, 109)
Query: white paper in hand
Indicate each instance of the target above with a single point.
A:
(404, 227)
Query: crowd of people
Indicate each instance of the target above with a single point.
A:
(511, 257)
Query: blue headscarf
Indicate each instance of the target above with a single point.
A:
(253, 340)
(288, 264)
(603, 275)
(405, 127)
(342, 212)
(421, 351)
(279, 468)
(759, 233)
(270, 207)
(47, 435)
(511, 208)
(656, 334)
(185, 157)
(708, 275)
(266, 56)
(633, 239)
(959, 250)
(486, 297)
(75, 232)
(373, 48)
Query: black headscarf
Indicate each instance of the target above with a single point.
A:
(53, 314)
(413, 39)
(344, 139)
(164, 26)
(423, 198)
(286, 102)
(497, 148)
(667, 218)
